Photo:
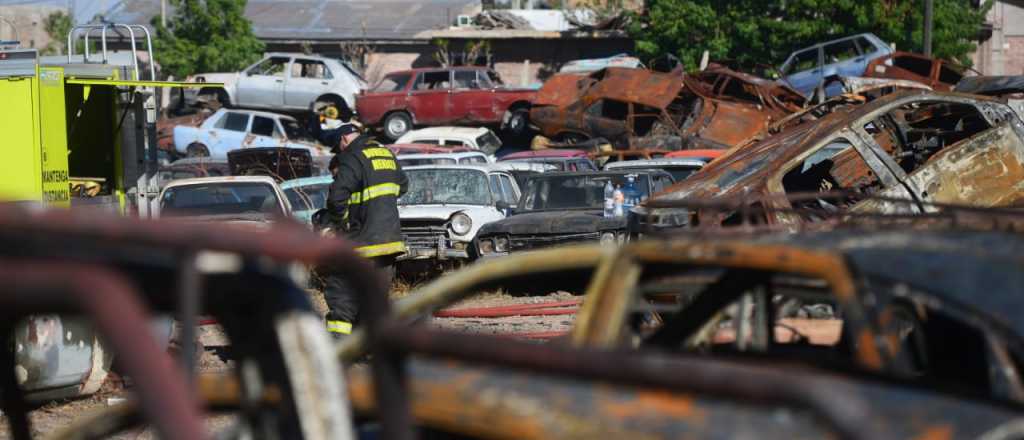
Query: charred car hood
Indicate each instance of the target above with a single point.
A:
(554, 222)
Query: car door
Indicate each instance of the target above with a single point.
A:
(307, 80)
(228, 133)
(262, 85)
(264, 133)
(429, 98)
(803, 71)
(471, 98)
(843, 58)
(980, 166)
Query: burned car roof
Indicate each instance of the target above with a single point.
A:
(745, 168)
(619, 83)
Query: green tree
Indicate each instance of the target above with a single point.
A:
(205, 36)
(756, 33)
(57, 25)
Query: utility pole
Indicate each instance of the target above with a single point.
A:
(163, 13)
(929, 5)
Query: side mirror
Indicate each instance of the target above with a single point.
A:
(505, 207)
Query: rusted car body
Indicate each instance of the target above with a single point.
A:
(936, 73)
(165, 128)
(629, 107)
(114, 270)
(929, 147)
(913, 313)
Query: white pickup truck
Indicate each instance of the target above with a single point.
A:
(286, 81)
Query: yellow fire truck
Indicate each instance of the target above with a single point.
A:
(80, 119)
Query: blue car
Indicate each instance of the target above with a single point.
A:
(805, 69)
(307, 195)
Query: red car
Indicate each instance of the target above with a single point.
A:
(443, 96)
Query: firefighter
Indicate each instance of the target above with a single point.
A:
(362, 205)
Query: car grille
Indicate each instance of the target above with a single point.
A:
(539, 241)
(423, 235)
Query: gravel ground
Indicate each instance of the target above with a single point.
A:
(51, 417)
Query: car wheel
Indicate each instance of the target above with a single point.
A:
(196, 149)
(215, 98)
(397, 124)
(518, 122)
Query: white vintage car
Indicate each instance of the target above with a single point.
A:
(285, 81)
(244, 200)
(231, 129)
(477, 138)
(446, 205)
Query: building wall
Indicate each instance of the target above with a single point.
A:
(29, 21)
(519, 61)
(1003, 54)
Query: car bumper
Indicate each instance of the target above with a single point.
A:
(440, 249)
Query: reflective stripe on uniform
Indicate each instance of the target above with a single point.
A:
(342, 327)
(383, 189)
(371, 153)
(383, 164)
(376, 250)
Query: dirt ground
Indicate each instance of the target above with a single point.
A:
(50, 418)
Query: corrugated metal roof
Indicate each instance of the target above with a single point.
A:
(328, 19)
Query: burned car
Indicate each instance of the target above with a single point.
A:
(715, 109)
(923, 146)
(910, 323)
(938, 74)
(561, 208)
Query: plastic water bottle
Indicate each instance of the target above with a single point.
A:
(609, 199)
(617, 210)
(630, 193)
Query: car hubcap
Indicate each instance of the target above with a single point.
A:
(396, 126)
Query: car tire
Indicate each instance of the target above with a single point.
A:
(196, 149)
(518, 122)
(215, 95)
(397, 124)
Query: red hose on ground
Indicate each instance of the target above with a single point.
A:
(537, 309)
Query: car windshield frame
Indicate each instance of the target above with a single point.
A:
(459, 187)
(238, 208)
(529, 193)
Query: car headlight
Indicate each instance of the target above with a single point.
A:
(486, 246)
(461, 224)
(607, 238)
(501, 244)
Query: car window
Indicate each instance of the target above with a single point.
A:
(585, 165)
(310, 69)
(507, 189)
(488, 142)
(949, 75)
(573, 191)
(495, 187)
(866, 46)
(393, 83)
(262, 126)
(835, 166)
(234, 121)
(495, 79)
(485, 80)
(273, 66)
(918, 66)
(661, 182)
(805, 60)
(609, 109)
(293, 130)
(432, 81)
(466, 79)
(912, 133)
(740, 91)
(840, 51)
(473, 159)
(453, 186)
(454, 143)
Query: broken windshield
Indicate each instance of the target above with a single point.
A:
(446, 186)
(574, 191)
